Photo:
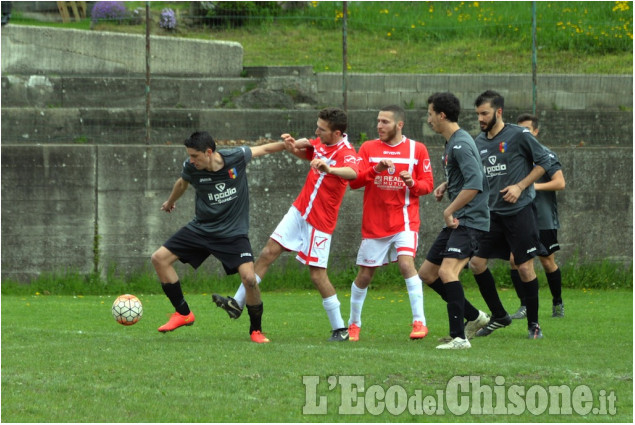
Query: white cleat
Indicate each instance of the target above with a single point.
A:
(456, 344)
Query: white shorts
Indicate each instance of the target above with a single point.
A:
(295, 234)
(381, 251)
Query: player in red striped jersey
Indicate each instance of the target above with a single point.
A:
(394, 172)
(308, 225)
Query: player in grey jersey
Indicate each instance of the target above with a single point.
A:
(220, 226)
(548, 225)
(466, 219)
(513, 160)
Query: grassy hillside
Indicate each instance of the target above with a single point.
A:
(408, 37)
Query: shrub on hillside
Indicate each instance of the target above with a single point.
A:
(237, 13)
(168, 19)
(109, 11)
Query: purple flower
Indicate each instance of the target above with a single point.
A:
(168, 19)
(109, 10)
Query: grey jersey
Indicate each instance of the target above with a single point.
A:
(464, 170)
(222, 197)
(507, 159)
(545, 201)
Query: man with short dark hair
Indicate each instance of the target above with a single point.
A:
(308, 226)
(513, 160)
(466, 219)
(220, 226)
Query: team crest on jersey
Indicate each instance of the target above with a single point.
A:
(233, 173)
(351, 159)
(220, 186)
(502, 146)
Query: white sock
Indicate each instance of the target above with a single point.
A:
(332, 307)
(415, 292)
(357, 303)
(241, 294)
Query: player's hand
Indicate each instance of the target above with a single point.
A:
(320, 166)
(168, 207)
(450, 221)
(289, 142)
(384, 165)
(407, 178)
(511, 193)
(440, 191)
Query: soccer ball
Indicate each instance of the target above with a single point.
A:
(127, 309)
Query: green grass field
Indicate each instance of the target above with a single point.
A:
(65, 359)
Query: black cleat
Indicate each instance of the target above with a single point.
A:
(534, 331)
(339, 335)
(229, 305)
(494, 324)
(557, 310)
(521, 313)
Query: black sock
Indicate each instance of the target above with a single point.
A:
(554, 279)
(175, 295)
(531, 300)
(456, 303)
(487, 286)
(438, 287)
(255, 317)
(519, 286)
(469, 311)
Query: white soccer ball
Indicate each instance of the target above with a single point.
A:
(127, 309)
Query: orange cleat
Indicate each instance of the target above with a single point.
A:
(353, 332)
(258, 337)
(419, 330)
(176, 321)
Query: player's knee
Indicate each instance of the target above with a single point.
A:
(477, 265)
(426, 277)
(156, 259)
(526, 271)
(446, 275)
(250, 282)
(548, 264)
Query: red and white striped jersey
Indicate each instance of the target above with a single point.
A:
(389, 206)
(320, 199)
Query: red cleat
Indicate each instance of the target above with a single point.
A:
(258, 337)
(419, 330)
(353, 332)
(176, 321)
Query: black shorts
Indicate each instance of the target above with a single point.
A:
(517, 234)
(193, 248)
(454, 243)
(549, 239)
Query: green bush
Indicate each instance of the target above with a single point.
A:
(234, 14)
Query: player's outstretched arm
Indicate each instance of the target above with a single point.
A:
(296, 147)
(267, 148)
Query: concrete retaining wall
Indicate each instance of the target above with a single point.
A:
(50, 51)
(170, 126)
(68, 207)
(63, 109)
